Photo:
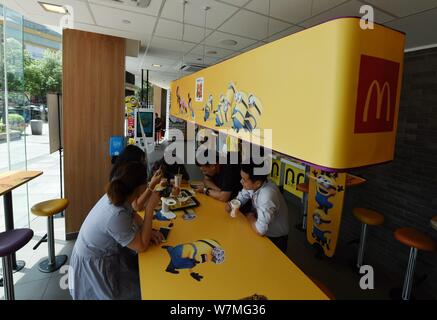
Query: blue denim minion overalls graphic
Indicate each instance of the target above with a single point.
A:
(188, 255)
(326, 188)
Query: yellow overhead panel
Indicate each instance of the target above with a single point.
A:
(330, 94)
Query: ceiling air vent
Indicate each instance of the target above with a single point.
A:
(192, 67)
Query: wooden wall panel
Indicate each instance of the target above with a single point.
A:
(93, 101)
(157, 99)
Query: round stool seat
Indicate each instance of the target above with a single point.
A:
(434, 222)
(50, 207)
(415, 239)
(304, 187)
(13, 240)
(368, 216)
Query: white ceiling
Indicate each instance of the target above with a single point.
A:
(169, 37)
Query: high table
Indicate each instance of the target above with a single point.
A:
(8, 182)
(252, 264)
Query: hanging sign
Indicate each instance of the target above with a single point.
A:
(333, 88)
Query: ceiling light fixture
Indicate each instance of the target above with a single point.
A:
(229, 42)
(156, 65)
(54, 8)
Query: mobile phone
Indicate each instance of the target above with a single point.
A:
(165, 232)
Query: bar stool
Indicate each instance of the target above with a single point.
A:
(49, 209)
(367, 217)
(416, 240)
(303, 187)
(10, 242)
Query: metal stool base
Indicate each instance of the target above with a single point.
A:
(20, 265)
(45, 267)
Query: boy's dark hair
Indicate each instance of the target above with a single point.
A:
(130, 153)
(249, 169)
(126, 179)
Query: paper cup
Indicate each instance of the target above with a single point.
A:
(235, 204)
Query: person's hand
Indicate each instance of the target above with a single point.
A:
(199, 188)
(228, 207)
(156, 179)
(156, 237)
(153, 201)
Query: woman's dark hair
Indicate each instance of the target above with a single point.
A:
(249, 169)
(170, 170)
(126, 179)
(130, 153)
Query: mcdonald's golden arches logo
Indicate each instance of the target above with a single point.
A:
(377, 92)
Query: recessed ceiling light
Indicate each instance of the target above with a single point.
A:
(211, 52)
(156, 65)
(229, 42)
(125, 21)
(55, 8)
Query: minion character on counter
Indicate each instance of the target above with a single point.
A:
(188, 255)
(326, 187)
(207, 109)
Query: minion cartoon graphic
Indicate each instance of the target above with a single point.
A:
(239, 112)
(207, 109)
(190, 106)
(318, 234)
(188, 255)
(181, 102)
(326, 187)
(220, 117)
(130, 102)
(253, 113)
(229, 99)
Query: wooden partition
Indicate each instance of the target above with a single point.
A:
(93, 101)
(157, 101)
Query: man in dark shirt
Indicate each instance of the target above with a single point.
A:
(221, 181)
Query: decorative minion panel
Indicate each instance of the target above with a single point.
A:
(330, 94)
(325, 205)
(131, 103)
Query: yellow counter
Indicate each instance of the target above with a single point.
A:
(252, 265)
